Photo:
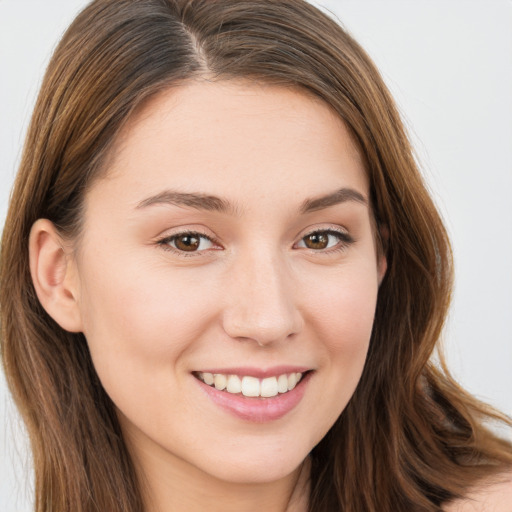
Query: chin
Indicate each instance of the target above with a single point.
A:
(257, 466)
(258, 472)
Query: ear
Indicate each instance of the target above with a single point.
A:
(382, 267)
(382, 261)
(54, 275)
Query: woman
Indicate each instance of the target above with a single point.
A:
(222, 277)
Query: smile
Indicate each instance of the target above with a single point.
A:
(250, 386)
(253, 394)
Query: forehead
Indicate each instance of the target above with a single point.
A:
(235, 138)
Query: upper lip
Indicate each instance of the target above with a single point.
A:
(260, 373)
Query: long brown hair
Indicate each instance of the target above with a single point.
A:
(410, 438)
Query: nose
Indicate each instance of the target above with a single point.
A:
(261, 301)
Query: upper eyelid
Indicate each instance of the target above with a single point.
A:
(327, 229)
(333, 229)
(175, 232)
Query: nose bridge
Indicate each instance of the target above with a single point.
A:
(262, 303)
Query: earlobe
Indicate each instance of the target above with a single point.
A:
(53, 275)
(382, 267)
(382, 261)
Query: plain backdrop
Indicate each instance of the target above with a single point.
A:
(449, 65)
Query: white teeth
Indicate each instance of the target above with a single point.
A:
(269, 387)
(282, 383)
(208, 378)
(220, 381)
(292, 381)
(234, 384)
(251, 386)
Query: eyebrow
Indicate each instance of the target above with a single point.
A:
(339, 196)
(191, 200)
(213, 203)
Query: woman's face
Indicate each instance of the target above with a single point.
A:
(230, 240)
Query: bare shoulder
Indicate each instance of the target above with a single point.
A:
(493, 496)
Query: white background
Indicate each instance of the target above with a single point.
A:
(449, 65)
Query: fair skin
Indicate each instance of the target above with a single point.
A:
(232, 235)
(282, 278)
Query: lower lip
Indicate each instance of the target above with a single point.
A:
(257, 410)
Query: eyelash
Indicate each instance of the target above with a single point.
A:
(344, 241)
(166, 241)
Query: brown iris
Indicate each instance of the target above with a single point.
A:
(187, 242)
(318, 240)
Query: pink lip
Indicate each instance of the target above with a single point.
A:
(256, 410)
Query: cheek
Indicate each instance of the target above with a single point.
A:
(342, 315)
(139, 323)
(343, 308)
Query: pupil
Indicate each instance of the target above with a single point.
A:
(187, 243)
(317, 241)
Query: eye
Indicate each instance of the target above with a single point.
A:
(325, 239)
(188, 242)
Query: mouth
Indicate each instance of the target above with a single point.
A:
(250, 386)
(254, 395)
